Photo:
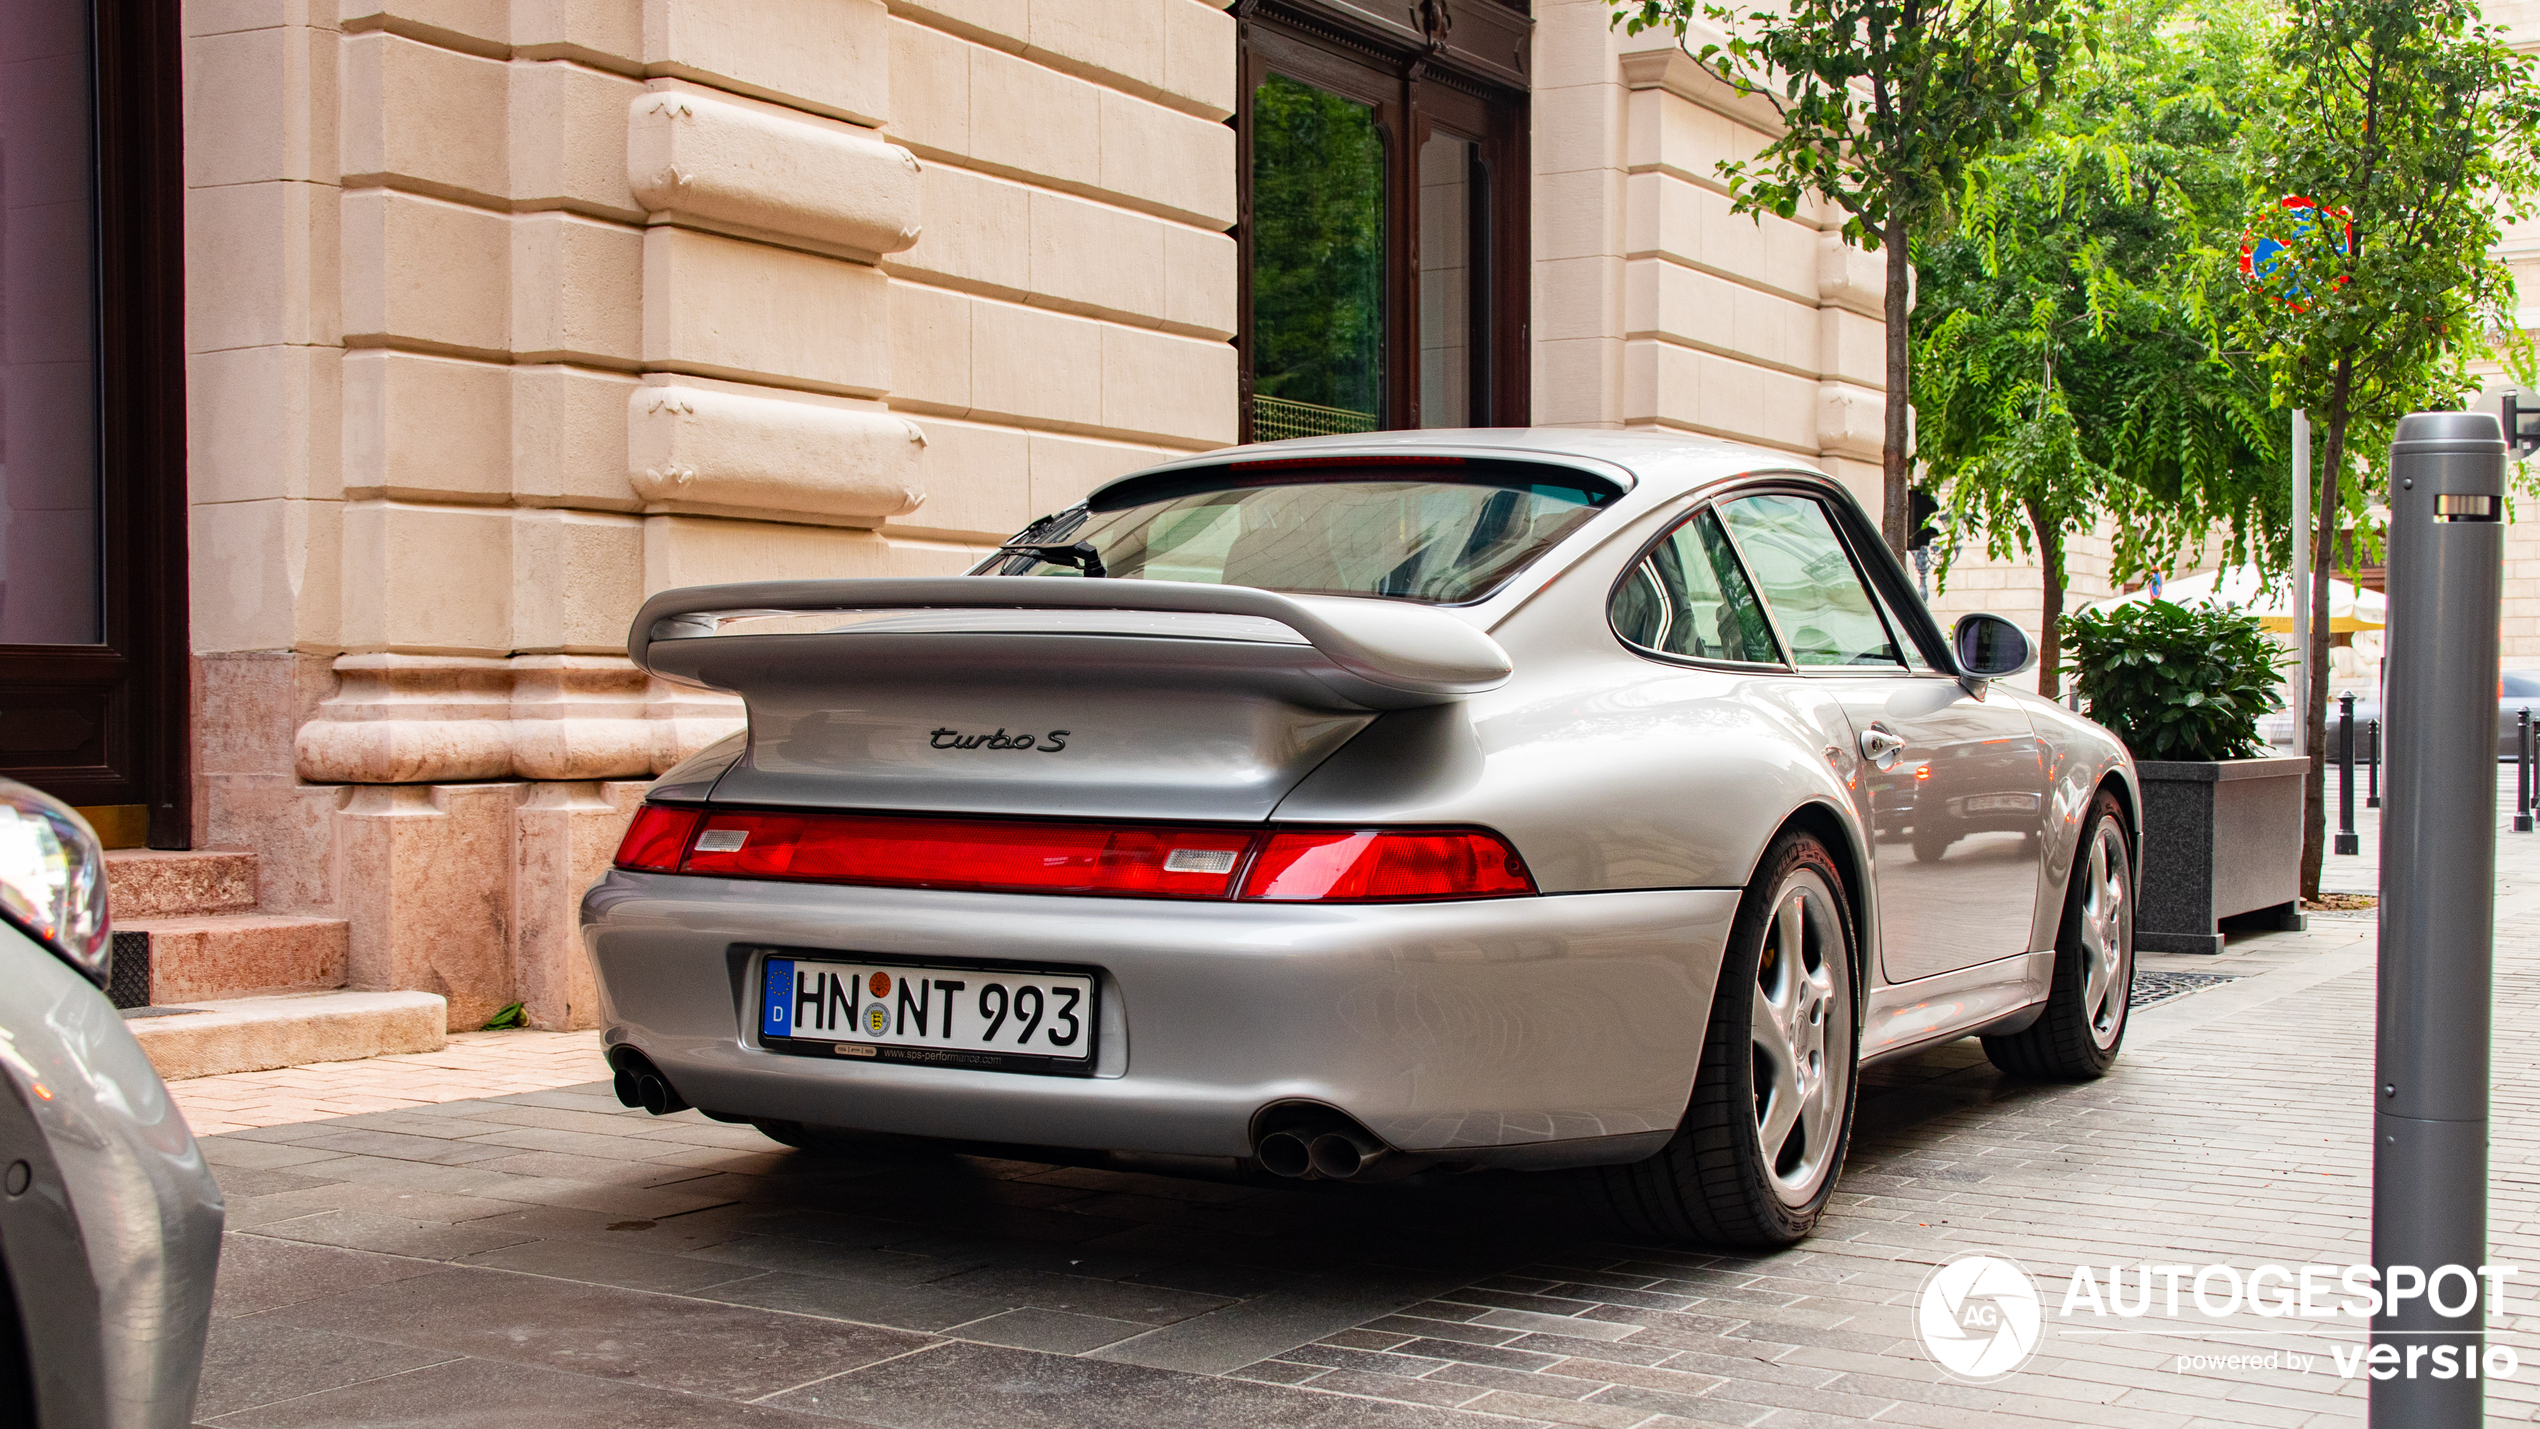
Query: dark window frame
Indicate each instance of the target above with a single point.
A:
(138, 677)
(1418, 89)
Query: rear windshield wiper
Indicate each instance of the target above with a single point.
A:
(1080, 554)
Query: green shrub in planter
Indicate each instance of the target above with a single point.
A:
(2176, 682)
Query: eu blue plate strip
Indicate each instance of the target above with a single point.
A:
(777, 987)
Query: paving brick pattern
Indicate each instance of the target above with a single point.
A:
(550, 1257)
(474, 1064)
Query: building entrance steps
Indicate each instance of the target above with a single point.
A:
(210, 984)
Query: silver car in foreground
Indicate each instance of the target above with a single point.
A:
(110, 1223)
(1361, 805)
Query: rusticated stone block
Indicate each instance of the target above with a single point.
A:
(706, 449)
(827, 56)
(719, 307)
(693, 156)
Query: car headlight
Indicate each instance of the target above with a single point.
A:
(53, 878)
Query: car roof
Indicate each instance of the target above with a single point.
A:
(1649, 461)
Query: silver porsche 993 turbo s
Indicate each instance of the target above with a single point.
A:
(1360, 805)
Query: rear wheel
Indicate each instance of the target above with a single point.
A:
(1762, 1141)
(2076, 1038)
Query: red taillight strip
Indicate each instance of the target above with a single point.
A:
(1029, 856)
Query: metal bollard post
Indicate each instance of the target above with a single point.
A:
(2438, 903)
(2346, 840)
(2522, 770)
(2372, 769)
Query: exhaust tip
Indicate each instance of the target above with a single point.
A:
(638, 1083)
(1339, 1155)
(1284, 1153)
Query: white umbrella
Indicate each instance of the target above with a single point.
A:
(2349, 606)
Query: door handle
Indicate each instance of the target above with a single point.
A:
(1882, 747)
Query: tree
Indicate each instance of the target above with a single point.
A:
(2420, 125)
(1883, 103)
(2064, 375)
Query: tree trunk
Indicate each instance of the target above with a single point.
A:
(2050, 635)
(1896, 457)
(2323, 561)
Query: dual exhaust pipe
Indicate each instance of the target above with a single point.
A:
(1325, 1145)
(639, 1083)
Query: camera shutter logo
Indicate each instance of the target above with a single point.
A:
(1979, 1317)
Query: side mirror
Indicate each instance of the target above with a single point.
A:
(1990, 648)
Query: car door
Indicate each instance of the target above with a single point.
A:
(1955, 780)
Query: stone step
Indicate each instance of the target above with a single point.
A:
(238, 954)
(256, 1034)
(156, 883)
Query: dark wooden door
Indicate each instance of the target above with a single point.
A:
(1382, 224)
(93, 698)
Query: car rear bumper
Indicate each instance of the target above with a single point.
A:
(1550, 1030)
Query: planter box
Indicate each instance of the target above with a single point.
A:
(2219, 839)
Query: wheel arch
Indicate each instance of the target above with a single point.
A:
(1830, 828)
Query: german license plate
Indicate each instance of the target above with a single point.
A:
(962, 1017)
(2001, 803)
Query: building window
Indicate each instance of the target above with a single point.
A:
(1383, 226)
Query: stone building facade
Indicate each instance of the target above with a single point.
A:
(500, 315)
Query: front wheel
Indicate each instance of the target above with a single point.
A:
(2076, 1038)
(1762, 1142)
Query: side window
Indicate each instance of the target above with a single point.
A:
(1809, 582)
(1688, 597)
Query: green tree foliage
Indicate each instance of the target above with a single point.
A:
(2065, 373)
(2419, 122)
(1318, 219)
(2176, 681)
(1883, 104)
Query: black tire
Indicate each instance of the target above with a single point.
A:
(2077, 1037)
(1931, 848)
(1714, 1183)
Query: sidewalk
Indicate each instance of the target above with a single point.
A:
(474, 1064)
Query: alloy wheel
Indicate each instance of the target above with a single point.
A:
(2107, 935)
(1802, 1032)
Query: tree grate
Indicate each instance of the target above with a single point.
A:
(2152, 987)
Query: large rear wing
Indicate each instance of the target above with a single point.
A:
(1376, 653)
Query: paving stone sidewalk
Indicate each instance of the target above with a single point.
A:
(550, 1257)
(474, 1064)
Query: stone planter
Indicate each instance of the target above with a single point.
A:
(2220, 838)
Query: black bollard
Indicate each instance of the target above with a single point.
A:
(2372, 767)
(2434, 1019)
(2522, 770)
(2346, 840)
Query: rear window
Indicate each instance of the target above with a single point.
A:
(2520, 684)
(1440, 535)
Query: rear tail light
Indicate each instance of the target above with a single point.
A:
(1018, 856)
(969, 853)
(1373, 867)
(657, 838)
